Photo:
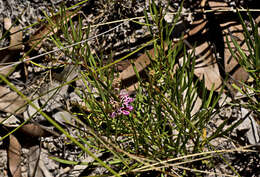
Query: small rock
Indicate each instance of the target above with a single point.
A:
(250, 126)
(168, 18)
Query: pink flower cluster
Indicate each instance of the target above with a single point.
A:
(125, 107)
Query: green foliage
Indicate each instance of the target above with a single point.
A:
(163, 123)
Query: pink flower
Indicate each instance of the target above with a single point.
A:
(113, 115)
(126, 113)
(129, 100)
(125, 105)
(130, 107)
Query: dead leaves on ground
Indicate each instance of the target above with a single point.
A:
(208, 67)
(11, 102)
(212, 43)
(214, 62)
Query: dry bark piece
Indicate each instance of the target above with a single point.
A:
(11, 102)
(122, 65)
(199, 27)
(14, 156)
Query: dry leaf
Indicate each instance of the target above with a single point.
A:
(48, 29)
(33, 130)
(235, 29)
(229, 26)
(7, 23)
(11, 121)
(218, 6)
(34, 158)
(141, 62)
(206, 66)
(202, 3)
(231, 65)
(14, 156)
(212, 71)
(11, 102)
(11, 54)
(44, 169)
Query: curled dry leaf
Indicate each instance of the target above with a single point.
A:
(14, 156)
(9, 101)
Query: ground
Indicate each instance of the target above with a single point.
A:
(128, 37)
